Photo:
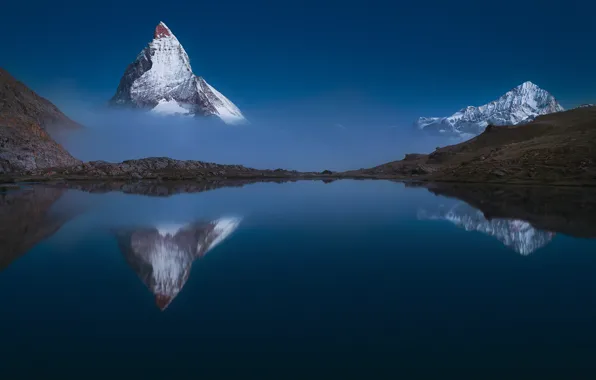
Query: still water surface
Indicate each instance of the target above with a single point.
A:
(341, 275)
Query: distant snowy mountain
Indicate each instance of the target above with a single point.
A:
(518, 235)
(162, 80)
(520, 105)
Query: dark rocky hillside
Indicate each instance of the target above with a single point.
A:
(25, 119)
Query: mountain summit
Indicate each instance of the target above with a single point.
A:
(520, 105)
(162, 80)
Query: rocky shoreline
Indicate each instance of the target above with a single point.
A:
(154, 168)
(167, 170)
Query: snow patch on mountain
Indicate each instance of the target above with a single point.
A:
(226, 110)
(169, 107)
(223, 228)
(161, 79)
(520, 105)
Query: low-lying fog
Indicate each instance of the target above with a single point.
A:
(299, 141)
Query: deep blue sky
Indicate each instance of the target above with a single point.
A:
(399, 59)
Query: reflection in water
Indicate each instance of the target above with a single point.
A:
(516, 234)
(64, 305)
(27, 217)
(162, 256)
(567, 210)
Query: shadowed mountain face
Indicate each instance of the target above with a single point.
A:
(516, 234)
(162, 256)
(27, 218)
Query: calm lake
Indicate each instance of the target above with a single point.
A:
(338, 276)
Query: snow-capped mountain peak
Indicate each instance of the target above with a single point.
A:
(517, 106)
(162, 80)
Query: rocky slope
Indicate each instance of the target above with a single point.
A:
(25, 119)
(558, 148)
(520, 105)
(161, 79)
(162, 255)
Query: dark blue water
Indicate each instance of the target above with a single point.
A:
(350, 275)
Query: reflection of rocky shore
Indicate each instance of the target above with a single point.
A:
(515, 234)
(26, 218)
(156, 188)
(567, 210)
(162, 255)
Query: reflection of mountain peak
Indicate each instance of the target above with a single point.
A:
(162, 256)
(516, 234)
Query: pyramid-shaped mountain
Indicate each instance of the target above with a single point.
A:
(161, 79)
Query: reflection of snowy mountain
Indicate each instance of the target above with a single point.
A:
(518, 235)
(163, 255)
